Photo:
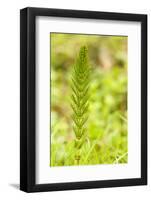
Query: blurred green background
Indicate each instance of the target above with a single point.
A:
(107, 123)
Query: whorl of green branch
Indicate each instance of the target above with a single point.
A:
(80, 99)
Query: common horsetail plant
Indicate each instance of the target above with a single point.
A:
(80, 100)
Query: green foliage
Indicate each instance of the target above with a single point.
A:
(106, 138)
(80, 99)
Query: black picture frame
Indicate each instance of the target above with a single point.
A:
(28, 99)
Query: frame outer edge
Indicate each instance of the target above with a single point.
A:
(144, 145)
(27, 100)
(23, 99)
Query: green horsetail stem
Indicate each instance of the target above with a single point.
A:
(80, 99)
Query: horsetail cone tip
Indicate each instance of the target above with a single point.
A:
(80, 98)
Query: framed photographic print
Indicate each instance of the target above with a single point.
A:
(83, 99)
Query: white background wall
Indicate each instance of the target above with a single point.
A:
(9, 99)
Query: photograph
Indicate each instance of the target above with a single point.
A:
(88, 99)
